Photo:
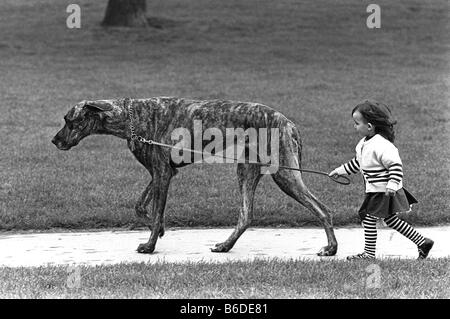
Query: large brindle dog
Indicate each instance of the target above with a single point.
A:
(155, 118)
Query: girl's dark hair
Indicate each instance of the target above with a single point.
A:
(379, 115)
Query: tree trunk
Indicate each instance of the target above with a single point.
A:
(128, 13)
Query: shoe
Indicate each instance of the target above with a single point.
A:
(360, 256)
(425, 248)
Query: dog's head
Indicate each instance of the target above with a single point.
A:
(85, 118)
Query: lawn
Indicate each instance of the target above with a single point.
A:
(312, 60)
(262, 279)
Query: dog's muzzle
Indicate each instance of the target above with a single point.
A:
(61, 145)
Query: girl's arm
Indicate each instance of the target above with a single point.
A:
(390, 159)
(352, 167)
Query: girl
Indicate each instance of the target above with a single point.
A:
(379, 162)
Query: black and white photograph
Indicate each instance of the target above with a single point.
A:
(224, 155)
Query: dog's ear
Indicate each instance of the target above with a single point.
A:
(98, 106)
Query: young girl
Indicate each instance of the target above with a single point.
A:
(379, 162)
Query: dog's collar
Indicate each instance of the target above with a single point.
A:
(128, 105)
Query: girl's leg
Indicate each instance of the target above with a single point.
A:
(424, 245)
(370, 235)
(405, 229)
(370, 238)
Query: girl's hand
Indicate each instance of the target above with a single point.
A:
(334, 173)
(390, 192)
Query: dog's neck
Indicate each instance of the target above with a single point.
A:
(116, 122)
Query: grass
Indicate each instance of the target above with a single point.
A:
(262, 279)
(311, 60)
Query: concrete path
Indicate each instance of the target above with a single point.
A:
(193, 245)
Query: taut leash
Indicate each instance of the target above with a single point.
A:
(340, 179)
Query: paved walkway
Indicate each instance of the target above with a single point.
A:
(192, 245)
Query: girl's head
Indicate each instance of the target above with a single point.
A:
(372, 118)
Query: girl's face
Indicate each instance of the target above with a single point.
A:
(361, 126)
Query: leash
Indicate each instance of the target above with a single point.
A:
(340, 179)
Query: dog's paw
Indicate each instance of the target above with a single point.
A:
(327, 251)
(220, 248)
(145, 248)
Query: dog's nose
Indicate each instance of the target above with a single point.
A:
(57, 142)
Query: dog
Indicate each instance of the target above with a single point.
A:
(154, 119)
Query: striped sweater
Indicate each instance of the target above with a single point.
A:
(379, 162)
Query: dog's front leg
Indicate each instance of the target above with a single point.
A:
(142, 211)
(160, 189)
(143, 202)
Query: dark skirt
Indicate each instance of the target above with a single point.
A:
(382, 206)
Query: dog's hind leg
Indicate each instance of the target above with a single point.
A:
(292, 184)
(248, 178)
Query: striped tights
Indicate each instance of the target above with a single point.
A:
(370, 232)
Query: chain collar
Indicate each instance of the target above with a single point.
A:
(134, 136)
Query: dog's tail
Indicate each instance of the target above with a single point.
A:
(293, 134)
(297, 139)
